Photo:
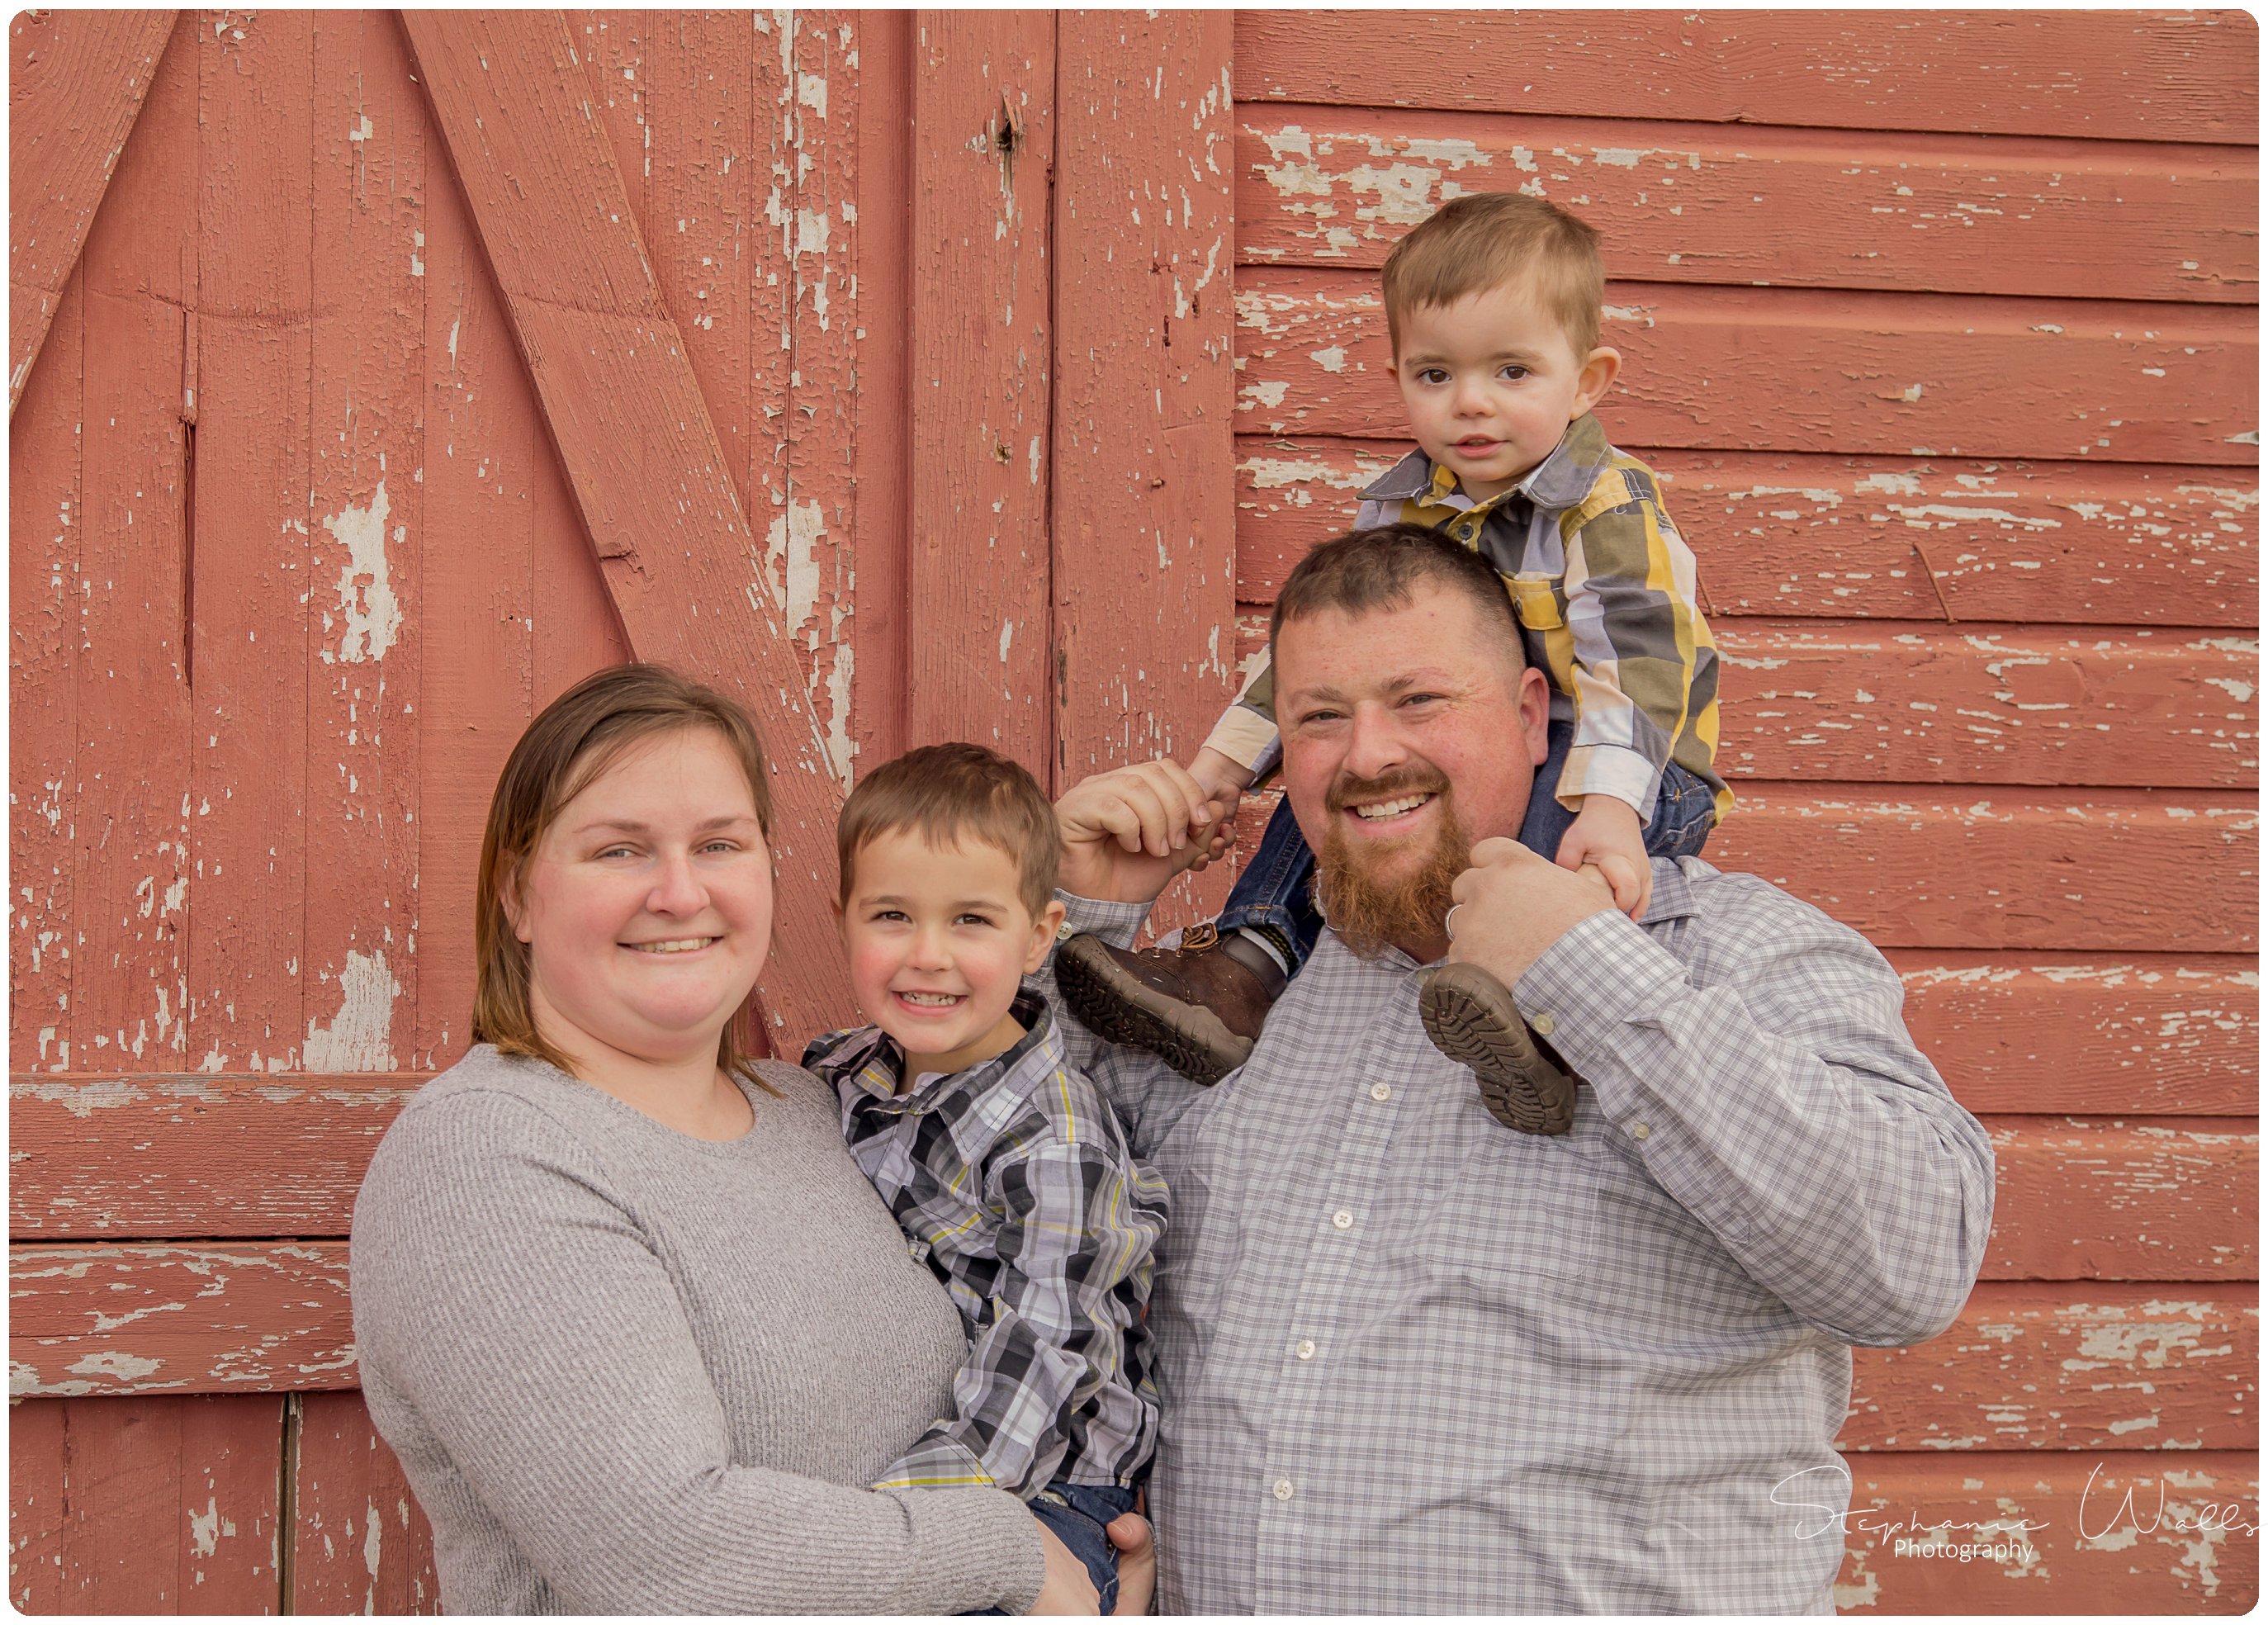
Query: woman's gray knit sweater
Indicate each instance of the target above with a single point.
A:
(632, 1371)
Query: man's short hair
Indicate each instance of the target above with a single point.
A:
(951, 795)
(1378, 568)
(1486, 239)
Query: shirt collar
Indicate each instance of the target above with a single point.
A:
(1560, 480)
(872, 1061)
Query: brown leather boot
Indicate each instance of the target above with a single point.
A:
(1197, 1007)
(1471, 1019)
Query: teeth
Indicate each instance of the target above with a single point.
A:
(681, 945)
(930, 998)
(1393, 809)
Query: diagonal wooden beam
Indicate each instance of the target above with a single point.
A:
(76, 81)
(634, 437)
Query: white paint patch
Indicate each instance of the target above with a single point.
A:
(364, 130)
(1270, 395)
(204, 1528)
(125, 1367)
(1008, 635)
(373, 614)
(1331, 361)
(372, 1525)
(811, 90)
(359, 1038)
(793, 547)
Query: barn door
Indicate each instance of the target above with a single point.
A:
(373, 378)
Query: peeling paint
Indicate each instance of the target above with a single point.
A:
(359, 1039)
(367, 606)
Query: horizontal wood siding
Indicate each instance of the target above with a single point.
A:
(1941, 330)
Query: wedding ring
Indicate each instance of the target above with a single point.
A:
(1450, 921)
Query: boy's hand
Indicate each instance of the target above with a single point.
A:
(1606, 834)
(1223, 779)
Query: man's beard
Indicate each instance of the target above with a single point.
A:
(1371, 914)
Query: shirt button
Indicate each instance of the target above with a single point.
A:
(1639, 1130)
(1283, 1490)
(1305, 1348)
(1544, 1022)
(1342, 1219)
(1379, 1091)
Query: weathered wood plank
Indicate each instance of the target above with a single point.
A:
(2030, 1366)
(2152, 76)
(978, 623)
(194, 1155)
(225, 1318)
(131, 770)
(36, 1509)
(2149, 1036)
(371, 149)
(2079, 1200)
(251, 640)
(493, 492)
(2085, 1199)
(2118, 872)
(1930, 704)
(1143, 509)
(658, 504)
(814, 540)
(75, 82)
(1806, 207)
(881, 322)
(145, 1504)
(2123, 1532)
(1881, 702)
(1904, 539)
(1810, 370)
(45, 591)
(361, 1544)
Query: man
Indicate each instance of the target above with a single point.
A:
(1414, 1362)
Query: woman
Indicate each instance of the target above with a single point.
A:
(632, 1319)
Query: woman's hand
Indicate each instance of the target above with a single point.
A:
(1067, 1589)
(1138, 1562)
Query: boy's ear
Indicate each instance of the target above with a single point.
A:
(1044, 927)
(1597, 378)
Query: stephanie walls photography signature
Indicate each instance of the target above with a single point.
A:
(2103, 1513)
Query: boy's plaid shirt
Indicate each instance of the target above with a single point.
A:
(1013, 1182)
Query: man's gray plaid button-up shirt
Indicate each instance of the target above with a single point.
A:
(1412, 1362)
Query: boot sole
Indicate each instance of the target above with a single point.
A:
(1119, 1010)
(1472, 1020)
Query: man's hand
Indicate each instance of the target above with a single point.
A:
(1125, 833)
(1138, 1562)
(1511, 905)
(1608, 835)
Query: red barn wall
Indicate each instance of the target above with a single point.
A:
(1942, 327)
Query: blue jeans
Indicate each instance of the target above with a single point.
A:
(1276, 887)
(1077, 1513)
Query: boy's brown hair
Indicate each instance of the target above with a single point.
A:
(1486, 239)
(949, 794)
(578, 738)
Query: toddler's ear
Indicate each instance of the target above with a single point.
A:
(1599, 369)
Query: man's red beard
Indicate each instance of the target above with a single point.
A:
(1371, 914)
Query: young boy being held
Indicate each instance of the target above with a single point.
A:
(1007, 1172)
(1493, 309)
